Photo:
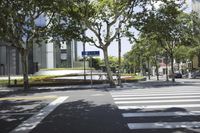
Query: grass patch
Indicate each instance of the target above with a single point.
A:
(32, 79)
(133, 78)
(50, 79)
(77, 68)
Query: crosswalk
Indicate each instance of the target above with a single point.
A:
(159, 108)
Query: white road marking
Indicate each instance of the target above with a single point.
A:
(32, 122)
(130, 95)
(158, 101)
(143, 98)
(159, 106)
(17, 114)
(158, 114)
(157, 90)
(169, 91)
(96, 95)
(164, 125)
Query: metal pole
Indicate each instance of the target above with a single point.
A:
(91, 69)
(84, 61)
(119, 59)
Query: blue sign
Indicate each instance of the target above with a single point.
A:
(90, 53)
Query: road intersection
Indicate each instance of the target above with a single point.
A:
(145, 107)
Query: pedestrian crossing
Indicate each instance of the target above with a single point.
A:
(158, 108)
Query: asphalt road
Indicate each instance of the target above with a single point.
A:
(147, 107)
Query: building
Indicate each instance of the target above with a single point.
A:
(196, 59)
(46, 55)
(196, 6)
(9, 60)
(52, 55)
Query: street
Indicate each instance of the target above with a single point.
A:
(145, 107)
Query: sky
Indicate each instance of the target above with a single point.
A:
(126, 45)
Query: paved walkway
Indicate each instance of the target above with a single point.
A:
(65, 72)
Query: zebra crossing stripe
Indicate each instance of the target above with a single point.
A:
(154, 91)
(159, 106)
(134, 95)
(144, 98)
(158, 101)
(164, 125)
(158, 114)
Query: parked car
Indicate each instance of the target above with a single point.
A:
(176, 75)
(195, 74)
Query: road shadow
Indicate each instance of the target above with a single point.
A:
(162, 119)
(83, 117)
(13, 113)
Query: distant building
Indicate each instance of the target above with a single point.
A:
(196, 6)
(9, 60)
(55, 55)
(196, 59)
(47, 55)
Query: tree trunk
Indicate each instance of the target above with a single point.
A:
(167, 78)
(148, 64)
(24, 60)
(141, 67)
(156, 64)
(134, 69)
(109, 73)
(179, 66)
(172, 67)
(119, 60)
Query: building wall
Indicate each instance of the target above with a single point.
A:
(10, 61)
(39, 55)
(55, 55)
(45, 55)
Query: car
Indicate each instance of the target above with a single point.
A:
(195, 74)
(176, 75)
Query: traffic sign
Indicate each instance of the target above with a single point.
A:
(90, 53)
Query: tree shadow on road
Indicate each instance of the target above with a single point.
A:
(163, 120)
(14, 112)
(83, 117)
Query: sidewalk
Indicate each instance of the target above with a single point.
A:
(11, 77)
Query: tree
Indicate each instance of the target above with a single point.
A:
(104, 19)
(181, 54)
(170, 27)
(145, 49)
(194, 49)
(21, 29)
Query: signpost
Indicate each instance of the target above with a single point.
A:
(90, 54)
